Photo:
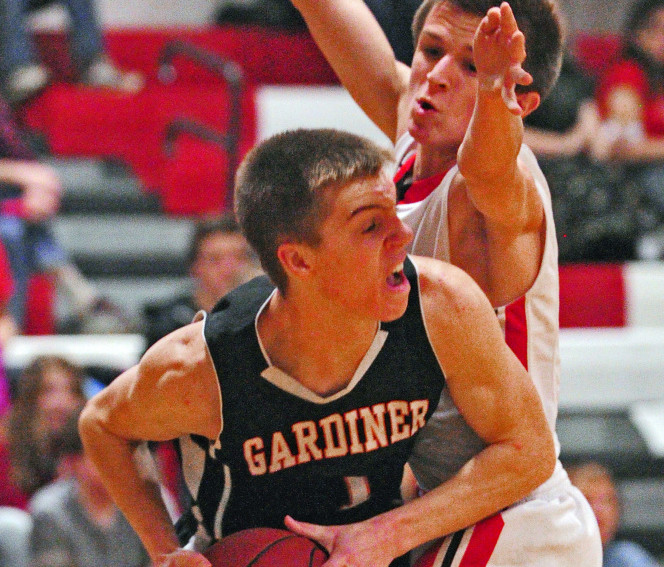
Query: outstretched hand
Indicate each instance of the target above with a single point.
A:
(499, 49)
(352, 545)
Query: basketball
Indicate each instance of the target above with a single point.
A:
(265, 547)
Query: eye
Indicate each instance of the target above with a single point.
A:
(370, 227)
(470, 67)
(432, 52)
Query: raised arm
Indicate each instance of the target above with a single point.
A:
(356, 47)
(487, 158)
(172, 392)
(496, 397)
(507, 209)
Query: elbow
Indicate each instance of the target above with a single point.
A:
(541, 458)
(87, 423)
(551, 457)
(90, 426)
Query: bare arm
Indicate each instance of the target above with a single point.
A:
(356, 47)
(487, 158)
(173, 391)
(496, 397)
(497, 227)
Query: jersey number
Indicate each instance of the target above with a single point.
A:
(359, 490)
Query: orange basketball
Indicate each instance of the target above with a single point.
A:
(265, 547)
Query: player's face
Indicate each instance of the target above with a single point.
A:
(359, 262)
(443, 82)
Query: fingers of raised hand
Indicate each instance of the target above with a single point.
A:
(507, 20)
(517, 46)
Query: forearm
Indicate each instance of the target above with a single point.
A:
(496, 478)
(553, 144)
(492, 141)
(135, 493)
(357, 49)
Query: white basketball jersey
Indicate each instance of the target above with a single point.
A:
(530, 323)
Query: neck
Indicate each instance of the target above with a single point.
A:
(319, 347)
(430, 161)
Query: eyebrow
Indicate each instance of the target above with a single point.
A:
(364, 208)
(437, 37)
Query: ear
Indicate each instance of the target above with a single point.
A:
(528, 102)
(295, 259)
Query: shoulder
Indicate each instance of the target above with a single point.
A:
(447, 293)
(238, 308)
(183, 347)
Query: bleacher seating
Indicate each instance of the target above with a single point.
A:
(85, 122)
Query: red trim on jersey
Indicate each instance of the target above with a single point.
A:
(421, 188)
(516, 329)
(405, 168)
(483, 542)
(428, 558)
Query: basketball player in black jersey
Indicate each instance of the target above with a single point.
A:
(304, 400)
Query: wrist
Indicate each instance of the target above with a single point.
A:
(394, 533)
(488, 83)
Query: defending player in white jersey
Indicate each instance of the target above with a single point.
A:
(474, 196)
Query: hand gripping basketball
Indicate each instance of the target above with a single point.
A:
(265, 547)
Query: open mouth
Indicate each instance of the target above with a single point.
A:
(397, 277)
(425, 104)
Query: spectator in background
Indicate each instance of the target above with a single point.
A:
(593, 202)
(25, 76)
(566, 120)
(75, 521)
(598, 486)
(631, 102)
(29, 198)
(219, 259)
(49, 391)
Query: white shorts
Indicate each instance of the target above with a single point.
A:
(553, 527)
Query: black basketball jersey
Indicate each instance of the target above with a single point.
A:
(332, 460)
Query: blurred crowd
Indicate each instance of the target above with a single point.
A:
(599, 140)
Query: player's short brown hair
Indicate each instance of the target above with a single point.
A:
(284, 187)
(539, 20)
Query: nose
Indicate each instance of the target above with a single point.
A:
(441, 75)
(400, 236)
